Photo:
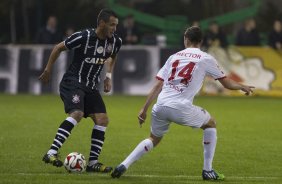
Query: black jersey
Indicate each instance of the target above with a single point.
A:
(90, 54)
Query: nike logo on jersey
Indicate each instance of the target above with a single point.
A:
(89, 47)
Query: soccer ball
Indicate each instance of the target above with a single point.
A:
(75, 162)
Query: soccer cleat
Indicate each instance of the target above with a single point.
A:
(98, 167)
(52, 159)
(119, 170)
(212, 175)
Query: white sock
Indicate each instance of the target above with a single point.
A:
(142, 148)
(209, 143)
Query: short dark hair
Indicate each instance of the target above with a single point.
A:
(105, 15)
(194, 34)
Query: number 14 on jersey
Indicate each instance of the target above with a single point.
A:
(185, 74)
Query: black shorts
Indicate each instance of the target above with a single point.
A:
(76, 98)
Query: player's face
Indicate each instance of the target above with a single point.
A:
(110, 26)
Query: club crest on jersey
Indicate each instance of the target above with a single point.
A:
(109, 48)
(75, 98)
(100, 50)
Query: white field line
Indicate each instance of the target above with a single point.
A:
(151, 176)
(199, 177)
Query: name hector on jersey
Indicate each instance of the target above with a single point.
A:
(99, 61)
(192, 55)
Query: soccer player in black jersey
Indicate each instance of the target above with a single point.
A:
(78, 89)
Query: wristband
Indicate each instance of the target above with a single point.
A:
(108, 75)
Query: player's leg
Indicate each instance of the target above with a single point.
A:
(97, 142)
(209, 144)
(62, 134)
(198, 117)
(74, 103)
(159, 126)
(96, 110)
(142, 148)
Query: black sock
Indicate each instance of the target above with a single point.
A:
(97, 141)
(63, 133)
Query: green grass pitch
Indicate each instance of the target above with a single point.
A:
(248, 150)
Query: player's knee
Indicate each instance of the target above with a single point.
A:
(211, 124)
(102, 121)
(156, 140)
(77, 115)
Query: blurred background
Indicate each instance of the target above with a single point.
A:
(245, 36)
(21, 19)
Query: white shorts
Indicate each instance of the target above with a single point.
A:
(162, 116)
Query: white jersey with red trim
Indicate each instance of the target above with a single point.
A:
(183, 75)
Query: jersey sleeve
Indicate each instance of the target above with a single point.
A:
(213, 70)
(164, 71)
(75, 40)
(117, 46)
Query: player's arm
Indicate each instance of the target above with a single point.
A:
(45, 76)
(232, 85)
(110, 64)
(151, 97)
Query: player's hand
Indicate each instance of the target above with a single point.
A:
(107, 85)
(45, 76)
(142, 117)
(247, 89)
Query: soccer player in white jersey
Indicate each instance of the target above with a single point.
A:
(178, 81)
